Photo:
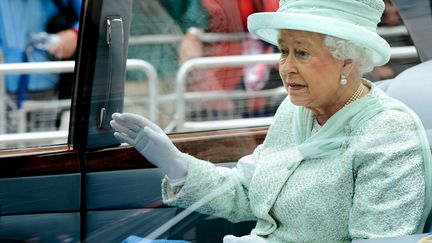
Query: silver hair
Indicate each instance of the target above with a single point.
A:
(344, 49)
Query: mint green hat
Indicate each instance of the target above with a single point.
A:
(353, 20)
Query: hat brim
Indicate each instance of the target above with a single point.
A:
(266, 26)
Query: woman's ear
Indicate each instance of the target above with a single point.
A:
(347, 67)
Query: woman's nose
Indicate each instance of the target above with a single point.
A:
(288, 64)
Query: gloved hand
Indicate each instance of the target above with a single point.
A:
(243, 239)
(151, 142)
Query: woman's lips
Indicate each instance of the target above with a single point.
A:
(296, 87)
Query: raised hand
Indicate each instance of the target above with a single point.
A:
(151, 141)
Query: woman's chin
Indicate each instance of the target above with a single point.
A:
(296, 101)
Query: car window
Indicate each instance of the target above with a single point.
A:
(191, 66)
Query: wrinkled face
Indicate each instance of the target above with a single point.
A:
(310, 74)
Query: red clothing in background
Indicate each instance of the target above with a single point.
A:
(226, 16)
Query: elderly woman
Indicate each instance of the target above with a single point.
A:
(341, 160)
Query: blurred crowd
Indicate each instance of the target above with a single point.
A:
(192, 20)
(37, 31)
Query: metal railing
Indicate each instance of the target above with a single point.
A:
(61, 67)
(399, 30)
(208, 62)
(51, 137)
(175, 38)
(68, 67)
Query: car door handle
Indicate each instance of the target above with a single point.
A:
(115, 70)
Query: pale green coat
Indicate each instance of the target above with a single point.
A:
(374, 186)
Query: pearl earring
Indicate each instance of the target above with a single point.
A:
(343, 80)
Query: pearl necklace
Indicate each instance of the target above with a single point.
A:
(357, 94)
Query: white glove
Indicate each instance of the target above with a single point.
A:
(243, 239)
(151, 142)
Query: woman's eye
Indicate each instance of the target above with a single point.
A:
(283, 52)
(302, 54)
(284, 55)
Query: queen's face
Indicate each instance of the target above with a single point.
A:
(310, 74)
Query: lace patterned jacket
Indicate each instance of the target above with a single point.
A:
(373, 186)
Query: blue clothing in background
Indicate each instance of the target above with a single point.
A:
(19, 18)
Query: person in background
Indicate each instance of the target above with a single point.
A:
(152, 19)
(162, 17)
(227, 17)
(391, 18)
(35, 31)
(341, 161)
